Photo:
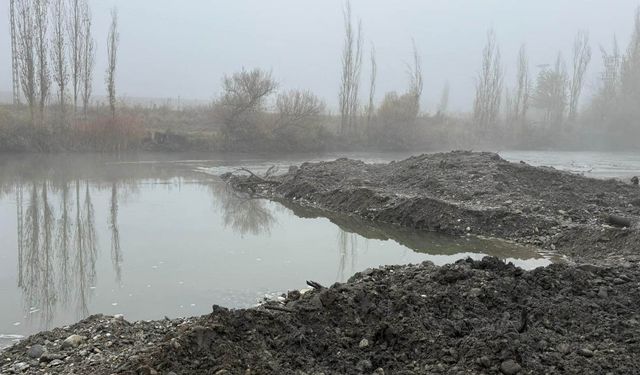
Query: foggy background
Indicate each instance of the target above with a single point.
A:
(172, 48)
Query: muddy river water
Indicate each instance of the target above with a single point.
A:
(150, 236)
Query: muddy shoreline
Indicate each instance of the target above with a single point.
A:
(489, 317)
(471, 192)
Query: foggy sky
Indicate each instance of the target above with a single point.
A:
(178, 48)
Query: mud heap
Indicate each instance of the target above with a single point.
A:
(469, 317)
(589, 220)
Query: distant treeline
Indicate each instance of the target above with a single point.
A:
(53, 58)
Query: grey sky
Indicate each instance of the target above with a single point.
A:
(172, 48)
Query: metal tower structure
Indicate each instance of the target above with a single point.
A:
(14, 53)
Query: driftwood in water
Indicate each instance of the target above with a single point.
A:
(260, 179)
(619, 221)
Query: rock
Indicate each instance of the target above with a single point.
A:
(379, 371)
(564, 348)
(293, 295)
(602, 292)
(363, 343)
(146, 370)
(55, 362)
(175, 344)
(635, 180)
(585, 352)
(364, 365)
(73, 341)
(510, 367)
(475, 292)
(484, 361)
(20, 366)
(48, 357)
(36, 351)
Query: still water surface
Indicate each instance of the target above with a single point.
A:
(156, 235)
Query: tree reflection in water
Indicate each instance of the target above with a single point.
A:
(116, 251)
(57, 255)
(241, 212)
(347, 254)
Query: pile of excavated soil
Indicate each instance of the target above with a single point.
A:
(472, 317)
(469, 317)
(478, 193)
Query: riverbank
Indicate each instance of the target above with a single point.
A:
(469, 317)
(588, 220)
(483, 316)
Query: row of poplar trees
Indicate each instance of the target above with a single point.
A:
(53, 57)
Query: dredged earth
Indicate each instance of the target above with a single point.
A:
(470, 317)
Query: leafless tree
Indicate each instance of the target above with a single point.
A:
(351, 66)
(297, 108)
(611, 75)
(414, 71)
(523, 86)
(41, 23)
(247, 90)
(75, 30)
(27, 55)
(243, 99)
(581, 59)
(372, 86)
(88, 58)
(608, 91)
(486, 105)
(58, 53)
(15, 62)
(443, 105)
(630, 69)
(112, 53)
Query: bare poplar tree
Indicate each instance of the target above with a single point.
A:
(26, 55)
(443, 105)
(41, 22)
(610, 81)
(486, 106)
(372, 86)
(75, 31)
(58, 54)
(351, 66)
(581, 59)
(15, 64)
(523, 88)
(630, 69)
(88, 56)
(416, 80)
(112, 53)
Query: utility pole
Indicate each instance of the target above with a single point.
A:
(14, 53)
